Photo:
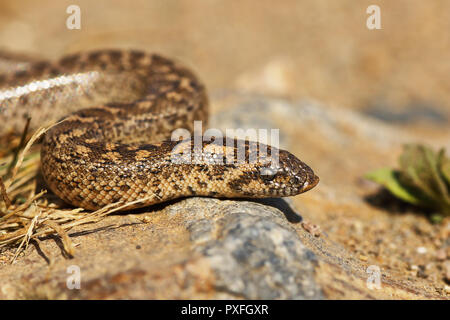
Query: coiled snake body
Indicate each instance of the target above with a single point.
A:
(118, 149)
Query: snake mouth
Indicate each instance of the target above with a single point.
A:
(310, 183)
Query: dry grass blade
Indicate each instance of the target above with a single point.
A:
(16, 168)
(35, 217)
(24, 206)
(4, 194)
(67, 243)
(21, 144)
(26, 238)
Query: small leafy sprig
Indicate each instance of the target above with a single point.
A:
(423, 178)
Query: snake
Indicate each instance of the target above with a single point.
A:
(114, 113)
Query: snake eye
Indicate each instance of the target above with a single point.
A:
(268, 178)
(268, 174)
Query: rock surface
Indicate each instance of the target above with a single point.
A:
(208, 247)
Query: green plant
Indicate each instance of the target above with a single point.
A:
(423, 178)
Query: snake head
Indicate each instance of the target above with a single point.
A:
(287, 176)
(240, 168)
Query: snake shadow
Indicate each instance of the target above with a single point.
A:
(281, 204)
(278, 203)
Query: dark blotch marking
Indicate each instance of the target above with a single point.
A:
(23, 99)
(136, 55)
(115, 56)
(124, 151)
(94, 203)
(202, 184)
(69, 62)
(124, 187)
(94, 56)
(236, 184)
(40, 67)
(20, 74)
(95, 112)
(116, 198)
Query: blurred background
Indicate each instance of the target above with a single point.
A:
(317, 49)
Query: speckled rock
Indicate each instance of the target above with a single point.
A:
(253, 251)
(230, 249)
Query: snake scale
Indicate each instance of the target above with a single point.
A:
(119, 108)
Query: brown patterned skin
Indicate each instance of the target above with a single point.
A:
(121, 104)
